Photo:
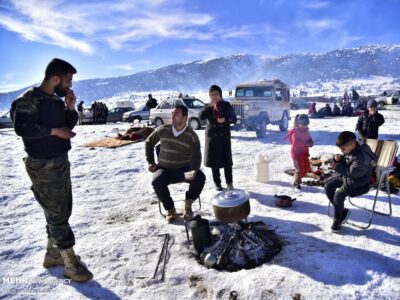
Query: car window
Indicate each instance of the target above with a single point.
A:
(254, 92)
(194, 103)
(278, 95)
(396, 94)
(178, 102)
(167, 105)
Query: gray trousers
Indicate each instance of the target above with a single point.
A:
(51, 186)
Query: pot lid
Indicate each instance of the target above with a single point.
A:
(230, 198)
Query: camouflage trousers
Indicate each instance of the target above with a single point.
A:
(51, 185)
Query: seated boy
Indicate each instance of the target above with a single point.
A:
(352, 175)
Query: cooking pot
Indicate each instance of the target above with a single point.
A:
(283, 201)
(231, 205)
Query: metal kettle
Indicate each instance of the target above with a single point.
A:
(201, 233)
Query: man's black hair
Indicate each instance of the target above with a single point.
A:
(345, 138)
(183, 109)
(58, 67)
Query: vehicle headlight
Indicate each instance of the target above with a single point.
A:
(246, 107)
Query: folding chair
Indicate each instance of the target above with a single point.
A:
(386, 152)
(157, 149)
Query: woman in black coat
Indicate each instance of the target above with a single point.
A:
(217, 152)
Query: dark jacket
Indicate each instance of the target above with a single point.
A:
(217, 150)
(325, 112)
(347, 110)
(336, 111)
(151, 103)
(368, 125)
(80, 107)
(34, 114)
(356, 170)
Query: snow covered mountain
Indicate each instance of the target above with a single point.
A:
(295, 69)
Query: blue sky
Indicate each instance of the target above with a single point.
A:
(113, 38)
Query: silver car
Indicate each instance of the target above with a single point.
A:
(393, 98)
(142, 112)
(5, 121)
(162, 114)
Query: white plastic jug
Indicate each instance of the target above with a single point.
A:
(262, 169)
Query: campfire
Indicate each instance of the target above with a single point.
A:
(239, 246)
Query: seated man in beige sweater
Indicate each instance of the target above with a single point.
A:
(179, 153)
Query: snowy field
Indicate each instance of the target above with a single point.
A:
(116, 223)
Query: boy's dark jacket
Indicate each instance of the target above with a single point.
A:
(356, 170)
(368, 126)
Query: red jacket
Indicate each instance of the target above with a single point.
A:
(301, 140)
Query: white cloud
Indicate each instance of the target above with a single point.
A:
(80, 25)
(132, 26)
(8, 87)
(125, 67)
(155, 26)
(204, 52)
(315, 27)
(314, 4)
(42, 21)
(9, 75)
(345, 39)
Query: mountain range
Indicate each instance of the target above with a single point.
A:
(294, 69)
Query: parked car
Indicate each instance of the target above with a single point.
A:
(5, 121)
(142, 112)
(87, 117)
(298, 103)
(162, 114)
(393, 98)
(115, 114)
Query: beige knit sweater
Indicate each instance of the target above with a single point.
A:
(175, 152)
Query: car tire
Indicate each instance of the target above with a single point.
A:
(194, 123)
(158, 122)
(381, 105)
(284, 124)
(260, 132)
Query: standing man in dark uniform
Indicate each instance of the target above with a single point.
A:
(45, 123)
(151, 102)
(80, 112)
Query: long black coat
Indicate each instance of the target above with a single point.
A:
(218, 150)
(368, 125)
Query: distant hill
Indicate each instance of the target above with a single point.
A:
(361, 62)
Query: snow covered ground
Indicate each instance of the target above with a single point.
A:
(116, 222)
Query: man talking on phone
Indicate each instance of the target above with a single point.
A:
(45, 123)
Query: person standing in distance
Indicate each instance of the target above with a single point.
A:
(45, 123)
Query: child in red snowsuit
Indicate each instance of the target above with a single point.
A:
(301, 140)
